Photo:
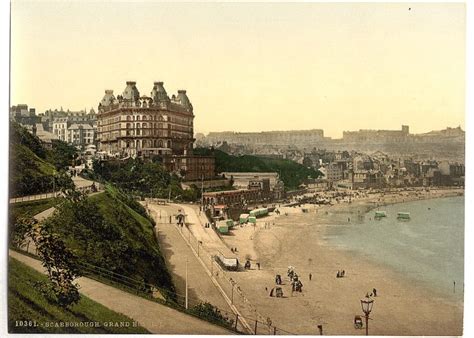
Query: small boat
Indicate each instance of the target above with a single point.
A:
(380, 214)
(403, 215)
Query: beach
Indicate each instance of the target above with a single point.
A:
(402, 306)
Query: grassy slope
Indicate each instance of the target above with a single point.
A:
(25, 302)
(28, 156)
(146, 260)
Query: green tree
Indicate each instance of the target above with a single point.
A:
(211, 313)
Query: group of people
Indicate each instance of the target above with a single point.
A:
(296, 284)
(267, 225)
(234, 250)
(340, 274)
(207, 225)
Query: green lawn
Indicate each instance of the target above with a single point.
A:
(26, 305)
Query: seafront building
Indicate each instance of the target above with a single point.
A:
(138, 125)
(134, 125)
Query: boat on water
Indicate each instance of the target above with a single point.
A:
(380, 214)
(403, 215)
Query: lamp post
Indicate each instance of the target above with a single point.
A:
(232, 294)
(186, 294)
(199, 243)
(367, 305)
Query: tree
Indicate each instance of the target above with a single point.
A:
(61, 265)
(62, 154)
(21, 228)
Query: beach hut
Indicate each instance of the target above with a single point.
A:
(243, 218)
(252, 219)
(227, 263)
(259, 212)
(380, 214)
(403, 216)
(223, 229)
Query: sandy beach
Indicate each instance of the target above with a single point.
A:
(402, 306)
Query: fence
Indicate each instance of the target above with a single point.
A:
(35, 197)
(88, 189)
(247, 317)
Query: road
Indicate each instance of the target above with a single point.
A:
(153, 316)
(177, 253)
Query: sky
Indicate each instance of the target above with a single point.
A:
(250, 66)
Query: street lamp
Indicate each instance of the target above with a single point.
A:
(367, 305)
(199, 243)
(232, 294)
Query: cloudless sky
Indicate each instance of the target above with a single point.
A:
(250, 66)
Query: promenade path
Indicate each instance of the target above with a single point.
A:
(153, 316)
(176, 253)
(79, 182)
(208, 236)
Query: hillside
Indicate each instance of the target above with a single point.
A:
(291, 173)
(109, 230)
(27, 303)
(33, 168)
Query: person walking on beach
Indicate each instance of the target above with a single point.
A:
(374, 292)
(310, 276)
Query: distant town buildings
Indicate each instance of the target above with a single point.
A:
(24, 115)
(296, 137)
(51, 117)
(387, 136)
(302, 146)
(75, 128)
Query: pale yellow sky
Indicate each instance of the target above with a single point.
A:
(250, 67)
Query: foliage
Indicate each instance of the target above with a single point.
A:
(20, 135)
(211, 313)
(291, 173)
(143, 178)
(19, 229)
(62, 154)
(32, 167)
(61, 264)
(27, 303)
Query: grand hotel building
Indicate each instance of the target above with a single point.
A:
(146, 126)
(130, 124)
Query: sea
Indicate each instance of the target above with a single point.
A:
(428, 248)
